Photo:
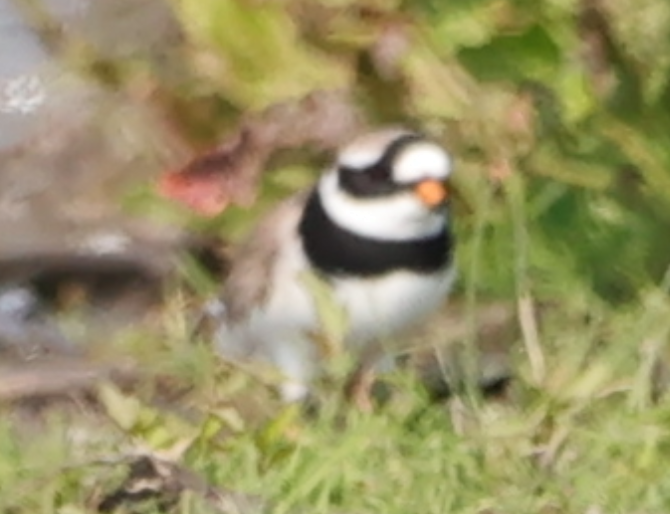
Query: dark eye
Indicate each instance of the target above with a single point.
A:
(369, 182)
(378, 173)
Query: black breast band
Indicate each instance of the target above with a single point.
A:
(334, 250)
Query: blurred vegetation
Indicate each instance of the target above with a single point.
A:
(557, 113)
(561, 104)
(560, 107)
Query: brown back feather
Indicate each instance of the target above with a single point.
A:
(254, 261)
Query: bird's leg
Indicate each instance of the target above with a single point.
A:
(360, 387)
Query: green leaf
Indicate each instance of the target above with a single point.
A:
(275, 431)
(256, 52)
(332, 315)
(529, 55)
(124, 410)
(467, 23)
(575, 94)
(224, 417)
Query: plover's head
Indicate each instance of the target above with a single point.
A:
(388, 185)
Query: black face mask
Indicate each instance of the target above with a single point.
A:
(376, 179)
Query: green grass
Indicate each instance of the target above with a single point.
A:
(587, 438)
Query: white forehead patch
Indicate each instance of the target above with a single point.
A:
(360, 158)
(366, 150)
(421, 160)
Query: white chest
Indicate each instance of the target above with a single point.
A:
(376, 308)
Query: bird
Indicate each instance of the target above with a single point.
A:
(375, 229)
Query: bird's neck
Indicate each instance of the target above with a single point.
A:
(333, 249)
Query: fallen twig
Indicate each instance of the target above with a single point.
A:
(50, 378)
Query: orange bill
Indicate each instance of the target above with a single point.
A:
(431, 192)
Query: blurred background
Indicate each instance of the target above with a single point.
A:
(556, 111)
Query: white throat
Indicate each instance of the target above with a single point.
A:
(400, 217)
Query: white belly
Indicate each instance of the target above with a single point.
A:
(383, 307)
(376, 307)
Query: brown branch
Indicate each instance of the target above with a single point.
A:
(52, 378)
